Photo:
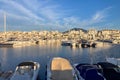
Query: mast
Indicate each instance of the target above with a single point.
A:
(4, 22)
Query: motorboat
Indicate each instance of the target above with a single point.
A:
(93, 45)
(88, 72)
(60, 69)
(26, 71)
(66, 43)
(85, 45)
(6, 44)
(110, 71)
(115, 61)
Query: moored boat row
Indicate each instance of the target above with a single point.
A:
(79, 44)
(99, 71)
(62, 69)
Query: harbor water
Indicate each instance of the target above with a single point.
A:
(11, 57)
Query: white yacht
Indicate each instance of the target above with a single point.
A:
(26, 71)
(60, 69)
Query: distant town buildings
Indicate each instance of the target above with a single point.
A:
(108, 35)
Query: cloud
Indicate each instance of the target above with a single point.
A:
(34, 10)
(72, 21)
(101, 15)
(46, 14)
(29, 13)
(97, 18)
(21, 9)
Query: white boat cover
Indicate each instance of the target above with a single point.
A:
(61, 69)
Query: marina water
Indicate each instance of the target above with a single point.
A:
(11, 57)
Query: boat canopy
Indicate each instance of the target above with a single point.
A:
(61, 69)
(60, 64)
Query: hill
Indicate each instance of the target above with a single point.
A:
(75, 29)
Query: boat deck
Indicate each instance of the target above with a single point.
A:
(62, 75)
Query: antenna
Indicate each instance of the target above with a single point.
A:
(5, 22)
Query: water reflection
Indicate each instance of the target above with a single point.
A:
(4, 60)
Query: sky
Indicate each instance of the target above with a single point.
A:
(60, 15)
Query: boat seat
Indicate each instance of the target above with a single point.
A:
(92, 74)
(84, 69)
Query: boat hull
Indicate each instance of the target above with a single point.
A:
(6, 44)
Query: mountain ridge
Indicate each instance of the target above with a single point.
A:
(75, 29)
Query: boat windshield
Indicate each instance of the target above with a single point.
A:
(24, 69)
